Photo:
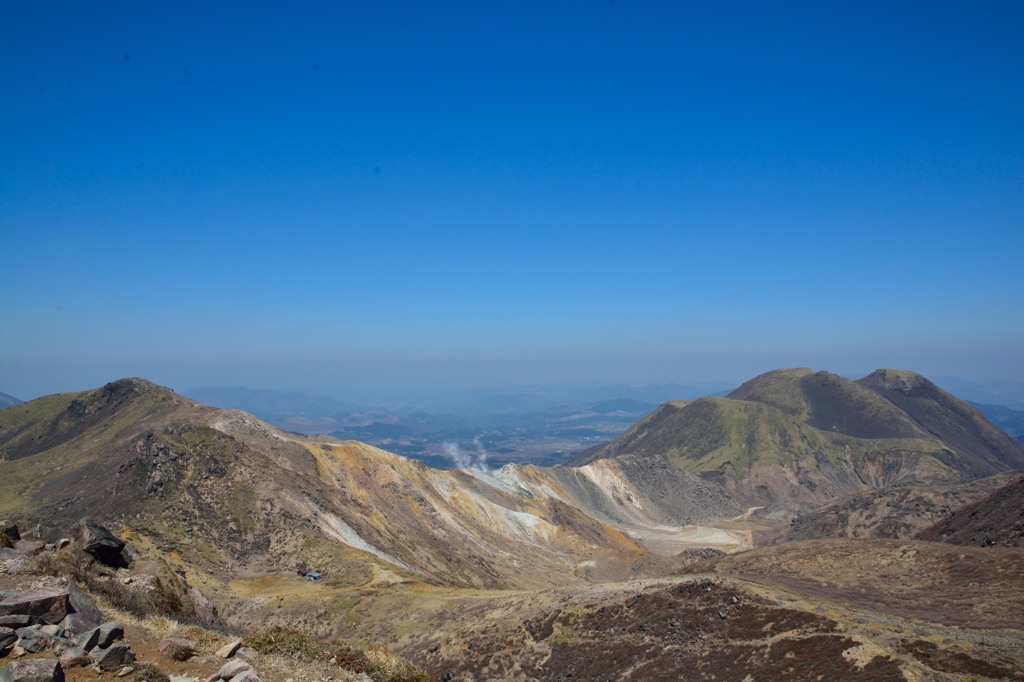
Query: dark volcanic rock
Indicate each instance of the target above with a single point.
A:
(109, 633)
(83, 614)
(50, 605)
(38, 670)
(87, 640)
(10, 529)
(115, 657)
(7, 637)
(101, 543)
(17, 620)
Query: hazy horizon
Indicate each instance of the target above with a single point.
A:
(426, 388)
(412, 197)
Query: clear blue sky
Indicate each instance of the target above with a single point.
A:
(354, 195)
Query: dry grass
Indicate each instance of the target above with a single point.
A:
(374, 661)
(964, 586)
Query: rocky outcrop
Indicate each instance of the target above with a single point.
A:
(65, 607)
(65, 621)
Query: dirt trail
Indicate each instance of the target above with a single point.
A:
(746, 515)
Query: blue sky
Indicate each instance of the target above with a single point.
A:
(349, 196)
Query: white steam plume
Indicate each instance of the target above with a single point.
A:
(467, 460)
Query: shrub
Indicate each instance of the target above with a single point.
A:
(287, 642)
(147, 672)
(5, 540)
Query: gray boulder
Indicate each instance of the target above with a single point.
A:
(114, 658)
(247, 676)
(87, 640)
(49, 605)
(7, 637)
(11, 560)
(75, 658)
(109, 632)
(83, 614)
(229, 649)
(52, 630)
(101, 543)
(38, 670)
(176, 648)
(39, 638)
(30, 547)
(231, 669)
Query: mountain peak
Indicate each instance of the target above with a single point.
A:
(895, 379)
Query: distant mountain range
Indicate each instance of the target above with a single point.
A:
(7, 400)
(520, 427)
(1007, 393)
(1009, 420)
(268, 404)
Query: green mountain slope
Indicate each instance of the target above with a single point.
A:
(801, 437)
(981, 447)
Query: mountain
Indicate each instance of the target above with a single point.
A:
(796, 438)
(227, 490)
(7, 400)
(981, 447)
(895, 512)
(996, 520)
(523, 572)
